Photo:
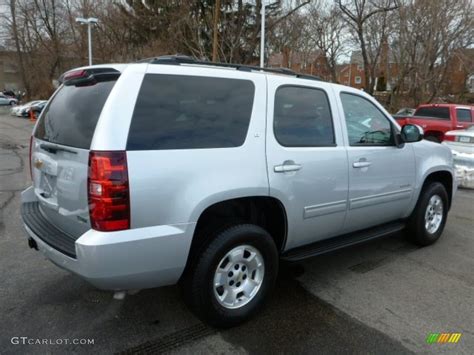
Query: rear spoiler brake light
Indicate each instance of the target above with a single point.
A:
(88, 76)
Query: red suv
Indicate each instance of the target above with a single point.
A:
(437, 119)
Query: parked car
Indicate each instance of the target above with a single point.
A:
(404, 112)
(9, 93)
(36, 107)
(461, 143)
(437, 119)
(23, 110)
(208, 174)
(7, 100)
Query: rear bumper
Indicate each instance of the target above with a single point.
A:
(131, 259)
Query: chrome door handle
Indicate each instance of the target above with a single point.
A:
(361, 164)
(284, 168)
(459, 126)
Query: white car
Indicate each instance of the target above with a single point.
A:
(461, 143)
(19, 110)
(7, 100)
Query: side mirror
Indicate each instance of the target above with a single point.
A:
(411, 133)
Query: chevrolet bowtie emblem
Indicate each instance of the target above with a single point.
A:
(38, 163)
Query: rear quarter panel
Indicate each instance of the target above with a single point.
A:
(176, 186)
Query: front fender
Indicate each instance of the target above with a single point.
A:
(430, 158)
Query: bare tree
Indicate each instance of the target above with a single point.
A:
(357, 13)
(326, 30)
(426, 35)
(19, 51)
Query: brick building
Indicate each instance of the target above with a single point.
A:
(460, 72)
(314, 62)
(352, 73)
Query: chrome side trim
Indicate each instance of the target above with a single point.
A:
(324, 209)
(380, 198)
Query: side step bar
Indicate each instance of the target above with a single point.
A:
(331, 244)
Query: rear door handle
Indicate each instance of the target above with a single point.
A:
(286, 167)
(361, 164)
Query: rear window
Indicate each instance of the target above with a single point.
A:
(437, 113)
(463, 115)
(189, 112)
(302, 117)
(72, 115)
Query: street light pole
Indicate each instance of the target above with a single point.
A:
(89, 41)
(262, 36)
(89, 22)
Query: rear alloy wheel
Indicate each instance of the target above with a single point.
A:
(429, 217)
(231, 278)
(239, 276)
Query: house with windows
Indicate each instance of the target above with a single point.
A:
(352, 73)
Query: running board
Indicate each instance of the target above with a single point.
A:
(331, 244)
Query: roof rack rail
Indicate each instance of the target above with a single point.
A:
(183, 59)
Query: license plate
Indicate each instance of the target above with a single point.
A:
(464, 139)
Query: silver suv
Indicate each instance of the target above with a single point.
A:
(173, 170)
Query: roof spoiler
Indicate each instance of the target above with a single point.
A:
(88, 76)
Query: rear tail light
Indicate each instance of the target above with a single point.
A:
(108, 191)
(449, 137)
(31, 147)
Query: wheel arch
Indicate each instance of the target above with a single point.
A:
(265, 211)
(445, 177)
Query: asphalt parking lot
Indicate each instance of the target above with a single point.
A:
(381, 298)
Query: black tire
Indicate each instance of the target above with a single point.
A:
(417, 230)
(197, 285)
(433, 139)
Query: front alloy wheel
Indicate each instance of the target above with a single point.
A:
(434, 214)
(429, 216)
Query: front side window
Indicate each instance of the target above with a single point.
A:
(463, 115)
(366, 124)
(190, 112)
(302, 117)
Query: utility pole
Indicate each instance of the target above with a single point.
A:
(217, 12)
(262, 36)
(89, 22)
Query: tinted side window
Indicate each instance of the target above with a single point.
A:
(440, 113)
(463, 115)
(72, 115)
(302, 117)
(366, 124)
(189, 112)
